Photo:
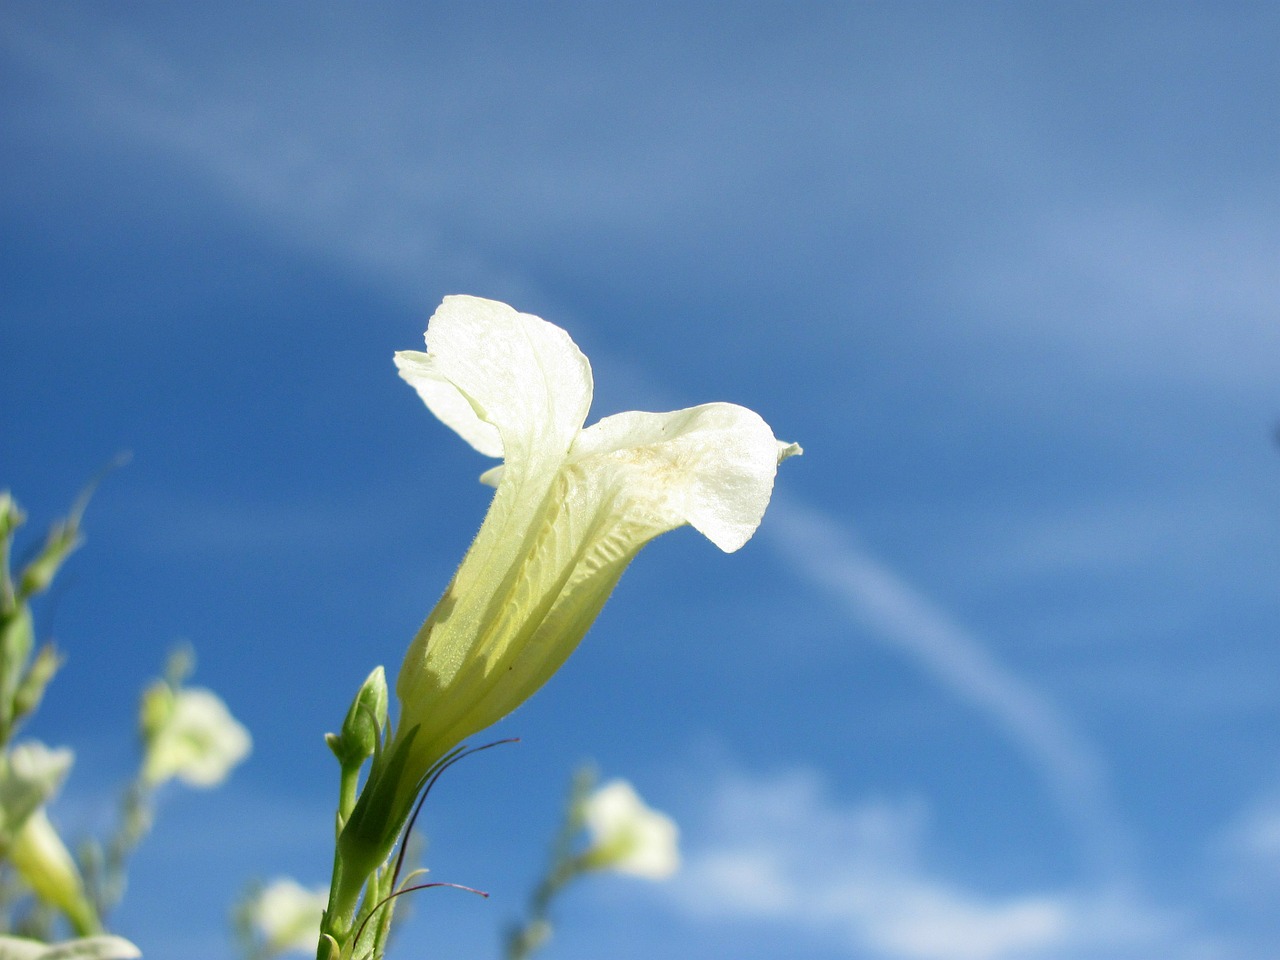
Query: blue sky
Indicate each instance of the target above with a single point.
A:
(997, 679)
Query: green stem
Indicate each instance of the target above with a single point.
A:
(133, 826)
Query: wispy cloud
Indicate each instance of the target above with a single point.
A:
(825, 554)
(1146, 292)
(781, 852)
(1247, 852)
(373, 212)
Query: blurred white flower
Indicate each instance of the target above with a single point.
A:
(104, 947)
(30, 774)
(287, 915)
(190, 735)
(627, 836)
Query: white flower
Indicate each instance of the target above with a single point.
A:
(573, 506)
(190, 735)
(30, 774)
(287, 915)
(103, 947)
(627, 836)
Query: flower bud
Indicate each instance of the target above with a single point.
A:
(64, 537)
(31, 691)
(11, 516)
(365, 721)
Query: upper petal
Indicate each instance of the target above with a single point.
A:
(509, 383)
(449, 405)
(710, 466)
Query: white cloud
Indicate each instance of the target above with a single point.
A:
(781, 852)
(1243, 874)
(1142, 292)
(272, 151)
(824, 554)
(1259, 835)
(1248, 850)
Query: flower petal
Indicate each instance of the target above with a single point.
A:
(101, 947)
(507, 382)
(29, 777)
(446, 402)
(710, 466)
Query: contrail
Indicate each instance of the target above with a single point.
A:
(824, 552)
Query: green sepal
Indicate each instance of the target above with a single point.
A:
(384, 803)
(335, 744)
(370, 833)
